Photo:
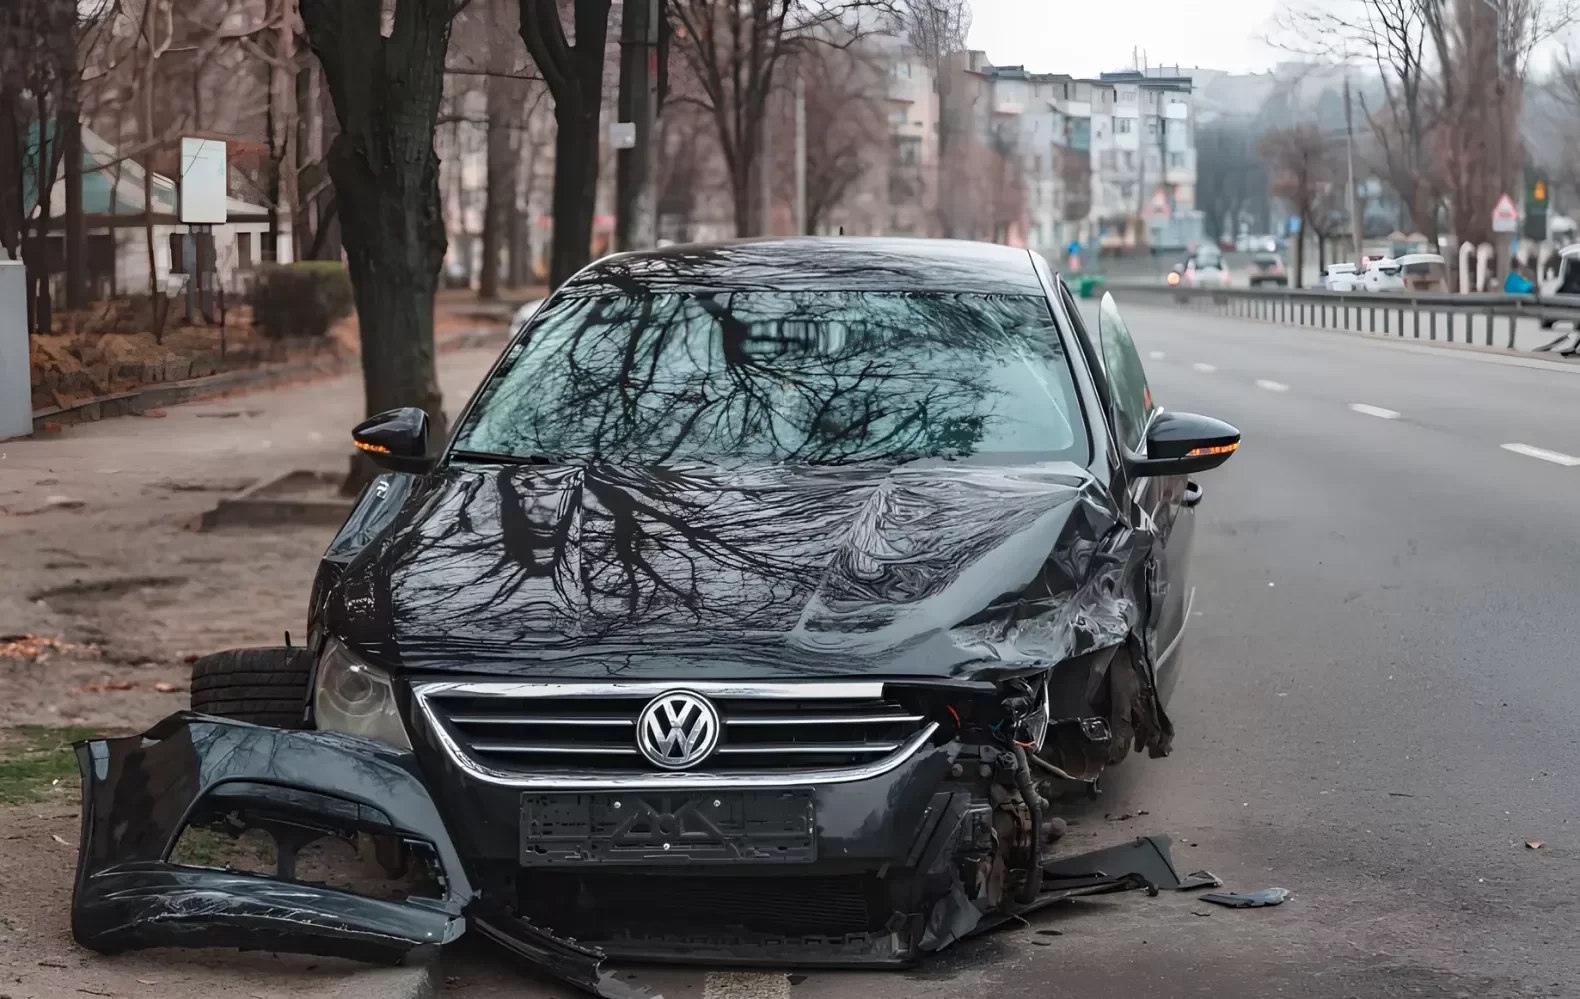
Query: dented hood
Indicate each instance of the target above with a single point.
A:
(935, 569)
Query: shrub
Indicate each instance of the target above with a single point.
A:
(301, 299)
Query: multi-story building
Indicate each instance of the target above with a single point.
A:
(1110, 161)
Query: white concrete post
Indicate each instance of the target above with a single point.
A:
(16, 369)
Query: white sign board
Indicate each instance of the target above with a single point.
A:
(622, 134)
(1505, 217)
(203, 170)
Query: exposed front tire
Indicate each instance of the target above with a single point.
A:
(261, 686)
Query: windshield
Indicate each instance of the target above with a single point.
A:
(816, 377)
(1423, 268)
(1265, 260)
(1209, 256)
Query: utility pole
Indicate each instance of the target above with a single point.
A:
(800, 153)
(1356, 223)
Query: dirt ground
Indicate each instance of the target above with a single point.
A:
(108, 591)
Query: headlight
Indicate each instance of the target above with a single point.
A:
(353, 697)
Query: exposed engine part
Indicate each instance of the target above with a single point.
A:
(1028, 794)
(1076, 749)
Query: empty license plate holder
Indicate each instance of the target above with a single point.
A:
(668, 828)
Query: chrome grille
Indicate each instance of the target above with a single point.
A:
(545, 729)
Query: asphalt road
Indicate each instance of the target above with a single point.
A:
(1377, 709)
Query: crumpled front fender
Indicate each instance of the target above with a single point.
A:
(139, 793)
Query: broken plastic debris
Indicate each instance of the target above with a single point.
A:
(1533, 844)
(1200, 879)
(166, 687)
(59, 839)
(1249, 899)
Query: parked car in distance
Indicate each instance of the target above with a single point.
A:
(1424, 272)
(1568, 280)
(1268, 268)
(1340, 277)
(1382, 274)
(1206, 269)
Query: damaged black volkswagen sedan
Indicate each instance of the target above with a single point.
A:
(759, 607)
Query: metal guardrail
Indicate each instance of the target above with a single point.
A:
(1347, 310)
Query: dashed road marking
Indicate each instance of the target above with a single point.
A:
(745, 985)
(1377, 411)
(1556, 457)
(1156, 355)
(1208, 368)
(1271, 386)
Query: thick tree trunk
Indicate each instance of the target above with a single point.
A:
(575, 77)
(386, 92)
(575, 191)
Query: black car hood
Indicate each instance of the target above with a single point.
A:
(937, 569)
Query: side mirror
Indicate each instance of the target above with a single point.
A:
(1182, 443)
(396, 440)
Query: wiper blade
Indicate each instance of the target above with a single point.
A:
(495, 458)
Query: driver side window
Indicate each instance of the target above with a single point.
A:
(1127, 380)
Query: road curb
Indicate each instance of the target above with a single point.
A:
(420, 982)
(172, 393)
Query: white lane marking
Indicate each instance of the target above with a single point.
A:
(1377, 411)
(1271, 386)
(1556, 457)
(745, 985)
(1208, 368)
(1156, 355)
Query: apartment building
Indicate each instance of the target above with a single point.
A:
(1107, 162)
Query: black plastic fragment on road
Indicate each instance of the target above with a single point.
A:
(1248, 900)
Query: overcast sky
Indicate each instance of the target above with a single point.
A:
(1084, 37)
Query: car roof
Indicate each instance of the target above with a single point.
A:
(1345, 267)
(1421, 258)
(813, 263)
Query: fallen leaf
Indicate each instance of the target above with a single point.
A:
(104, 686)
(64, 502)
(190, 657)
(148, 981)
(1533, 844)
(59, 839)
(166, 687)
(154, 413)
(50, 964)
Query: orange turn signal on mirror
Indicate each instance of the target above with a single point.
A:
(375, 448)
(1200, 452)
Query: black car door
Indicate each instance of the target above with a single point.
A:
(1168, 500)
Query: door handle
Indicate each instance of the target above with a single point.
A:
(1193, 494)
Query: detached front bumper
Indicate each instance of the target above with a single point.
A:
(140, 793)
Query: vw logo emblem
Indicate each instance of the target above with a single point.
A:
(677, 730)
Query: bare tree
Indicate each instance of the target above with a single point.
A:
(386, 76)
(1231, 177)
(846, 129)
(574, 72)
(1302, 165)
